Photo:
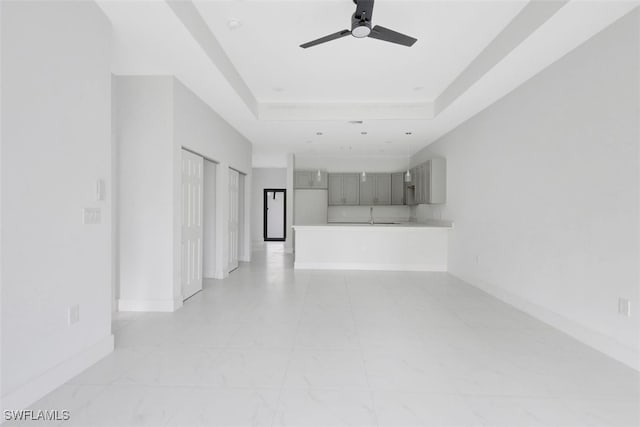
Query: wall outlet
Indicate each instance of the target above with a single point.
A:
(74, 314)
(91, 216)
(624, 307)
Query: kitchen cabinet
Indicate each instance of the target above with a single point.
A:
(428, 183)
(344, 189)
(397, 188)
(376, 189)
(310, 179)
(438, 181)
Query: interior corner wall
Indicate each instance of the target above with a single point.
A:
(209, 224)
(146, 161)
(263, 178)
(543, 188)
(56, 125)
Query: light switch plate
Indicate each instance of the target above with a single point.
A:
(624, 307)
(91, 216)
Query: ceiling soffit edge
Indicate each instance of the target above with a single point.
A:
(346, 111)
(527, 21)
(187, 13)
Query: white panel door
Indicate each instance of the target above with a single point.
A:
(234, 218)
(192, 183)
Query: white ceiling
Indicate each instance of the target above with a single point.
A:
(265, 48)
(152, 39)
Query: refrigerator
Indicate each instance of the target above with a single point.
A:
(310, 207)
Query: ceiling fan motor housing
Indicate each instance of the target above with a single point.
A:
(360, 28)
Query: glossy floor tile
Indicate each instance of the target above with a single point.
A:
(270, 346)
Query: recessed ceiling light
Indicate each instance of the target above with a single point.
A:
(234, 24)
(408, 133)
(356, 122)
(418, 88)
(319, 133)
(363, 133)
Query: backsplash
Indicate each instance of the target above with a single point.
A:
(361, 213)
(426, 213)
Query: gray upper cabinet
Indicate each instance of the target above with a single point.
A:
(351, 188)
(438, 181)
(383, 189)
(397, 188)
(344, 189)
(376, 189)
(367, 189)
(428, 183)
(410, 189)
(335, 189)
(427, 186)
(309, 179)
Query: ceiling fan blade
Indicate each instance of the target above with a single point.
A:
(382, 33)
(325, 39)
(364, 7)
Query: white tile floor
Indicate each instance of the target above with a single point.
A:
(273, 346)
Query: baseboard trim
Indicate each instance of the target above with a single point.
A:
(149, 305)
(45, 383)
(587, 336)
(365, 266)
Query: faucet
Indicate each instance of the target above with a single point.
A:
(371, 215)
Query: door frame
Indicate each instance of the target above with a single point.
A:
(191, 279)
(264, 215)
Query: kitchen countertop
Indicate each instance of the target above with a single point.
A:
(360, 225)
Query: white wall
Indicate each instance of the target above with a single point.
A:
(146, 157)
(263, 178)
(543, 188)
(55, 145)
(209, 220)
(157, 116)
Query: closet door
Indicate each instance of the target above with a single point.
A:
(191, 218)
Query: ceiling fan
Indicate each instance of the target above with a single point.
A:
(361, 27)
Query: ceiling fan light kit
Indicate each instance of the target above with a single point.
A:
(361, 28)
